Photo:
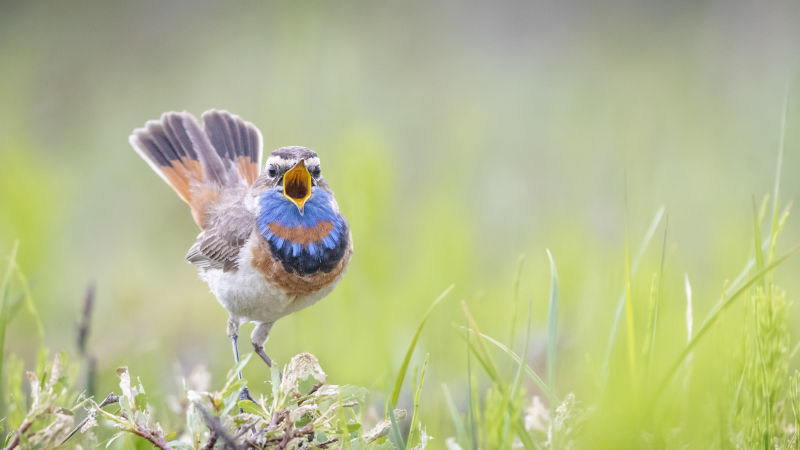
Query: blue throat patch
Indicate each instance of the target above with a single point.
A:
(320, 251)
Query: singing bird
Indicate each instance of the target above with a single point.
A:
(272, 241)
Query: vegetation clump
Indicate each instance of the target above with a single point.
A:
(300, 411)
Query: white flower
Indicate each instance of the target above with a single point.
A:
(537, 417)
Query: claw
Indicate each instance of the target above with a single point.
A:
(260, 352)
(245, 395)
(259, 336)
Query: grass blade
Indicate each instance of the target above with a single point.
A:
(657, 292)
(413, 434)
(715, 313)
(398, 384)
(689, 313)
(479, 349)
(473, 433)
(552, 329)
(522, 366)
(522, 433)
(484, 357)
(517, 384)
(395, 435)
(530, 372)
(652, 315)
(4, 314)
(648, 236)
(517, 276)
(461, 431)
(629, 311)
(28, 296)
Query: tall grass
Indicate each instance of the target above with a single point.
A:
(503, 410)
(760, 411)
(727, 382)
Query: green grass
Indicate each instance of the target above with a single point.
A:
(671, 385)
(456, 137)
(750, 389)
(501, 411)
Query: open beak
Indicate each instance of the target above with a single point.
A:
(297, 185)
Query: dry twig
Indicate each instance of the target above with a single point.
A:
(215, 427)
(110, 398)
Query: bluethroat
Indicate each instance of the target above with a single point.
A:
(272, 241)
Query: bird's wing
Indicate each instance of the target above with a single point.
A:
(219, 244)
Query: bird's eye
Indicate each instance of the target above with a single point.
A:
(315, 171)
(272, 171)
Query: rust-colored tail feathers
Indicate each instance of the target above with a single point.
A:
(198, 163)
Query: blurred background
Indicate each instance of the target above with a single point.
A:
(457, 137)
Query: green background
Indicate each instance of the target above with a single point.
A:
(456, 136)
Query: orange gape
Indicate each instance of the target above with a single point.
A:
(297, 185)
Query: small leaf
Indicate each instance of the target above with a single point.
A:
(251, 408)
(234, 387)
(307, 385)
(295, 375)
(231, 399)
(140, 400)
(351, 393)
(234, 373)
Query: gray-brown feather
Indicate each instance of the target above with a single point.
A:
(218, 245)
(176, 133)
(231, 136)
(213, 167)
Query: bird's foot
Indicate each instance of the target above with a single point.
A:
(258, 337)
(245, 395)
(260, 352)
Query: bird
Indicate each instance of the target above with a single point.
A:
(272, 239)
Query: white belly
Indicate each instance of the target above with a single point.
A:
(248, 296)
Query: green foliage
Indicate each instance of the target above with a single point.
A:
(9, 304)
(52, 404)
(416, 435)
(502, 415)
(630, 271)
(502, 405)
(401, 374)
(758, 415)
(302, 409)
(733, 384)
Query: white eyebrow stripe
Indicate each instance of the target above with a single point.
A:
(280, 161)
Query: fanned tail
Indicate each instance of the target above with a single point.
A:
(199, 163)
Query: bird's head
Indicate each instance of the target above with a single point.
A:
(295, 173)
(297, 214)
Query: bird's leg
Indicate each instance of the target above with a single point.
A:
(258, 338)
(233, 333)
